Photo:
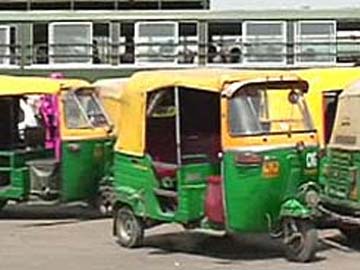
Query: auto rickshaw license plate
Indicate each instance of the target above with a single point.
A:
(271, 168)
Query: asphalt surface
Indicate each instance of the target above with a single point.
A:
(73, 238)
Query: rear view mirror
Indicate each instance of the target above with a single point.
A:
(293, 97)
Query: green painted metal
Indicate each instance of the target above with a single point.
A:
(13, 166)
(340, 180)
(136, 183)
(255, 202)
(83, 164)
(295, 208)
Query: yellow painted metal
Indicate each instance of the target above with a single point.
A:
(132, 109)
(322, 80)
(26, 85)
(110, 91)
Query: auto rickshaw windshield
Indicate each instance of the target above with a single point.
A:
(257, 111)
(83, 110)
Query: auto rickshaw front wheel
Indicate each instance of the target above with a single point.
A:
(300, 238)
(129, 228)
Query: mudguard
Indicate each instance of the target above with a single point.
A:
(294, 208)
(130, 197)
(133, 198)
(298, 207)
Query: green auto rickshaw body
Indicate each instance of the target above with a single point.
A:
(185, 130)
(56, 158)
(267, 200)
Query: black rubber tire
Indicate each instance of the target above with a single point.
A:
(103, 208)
(303, 246)
(129, 228)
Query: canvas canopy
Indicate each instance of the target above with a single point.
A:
(346, 132)
(18, 85)
(132, 109)
(110, 91)
(110, 88)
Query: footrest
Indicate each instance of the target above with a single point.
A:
(165, 193)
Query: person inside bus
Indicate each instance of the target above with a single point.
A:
(235, 55)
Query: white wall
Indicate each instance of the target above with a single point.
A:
(282, 4)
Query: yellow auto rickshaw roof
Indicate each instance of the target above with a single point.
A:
(132, 104)
(26, 85)
(208, 79)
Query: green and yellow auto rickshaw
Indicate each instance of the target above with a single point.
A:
(339, 178)
(55, 141)
(222, 149)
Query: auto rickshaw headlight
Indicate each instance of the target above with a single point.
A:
(312, 198)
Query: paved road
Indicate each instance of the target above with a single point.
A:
(37, 238)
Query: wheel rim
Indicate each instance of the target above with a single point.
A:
(294, 238)
(126, 227)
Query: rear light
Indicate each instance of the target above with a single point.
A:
(248, 158)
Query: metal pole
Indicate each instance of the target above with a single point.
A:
(177, 127)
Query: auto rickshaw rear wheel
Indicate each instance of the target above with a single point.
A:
(300, 238)
(129, 228)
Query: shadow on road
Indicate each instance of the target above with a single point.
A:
(38, 212)
(339, 242)
(243, 247)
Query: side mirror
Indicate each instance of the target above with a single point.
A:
(294, 97)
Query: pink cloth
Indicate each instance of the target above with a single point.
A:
(50, 113)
